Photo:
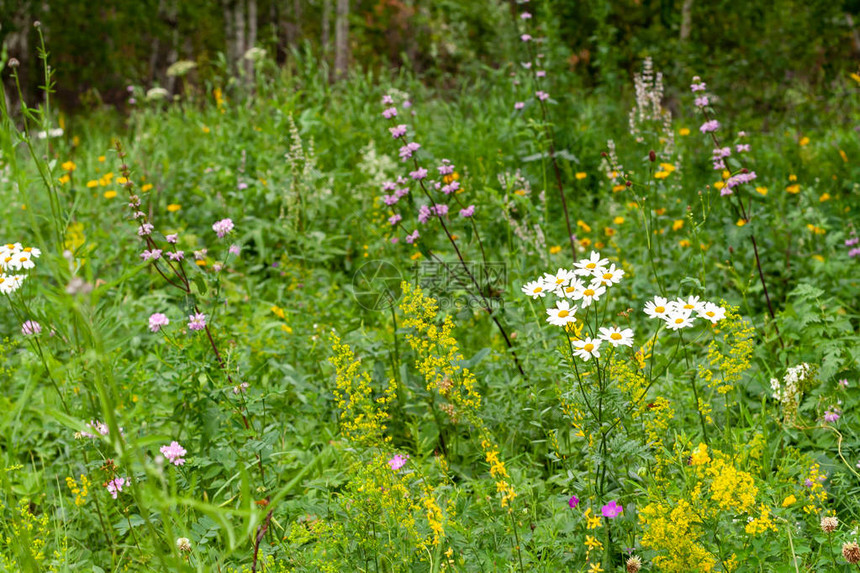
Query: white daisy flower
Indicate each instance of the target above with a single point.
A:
(712, 312)
(574, 285)
(617, 337)
(21, 260)
(556, 282)
(536, 289)
(658, 308)
(692, 303)
(587, 348)
(678, 319)
(588, 294)
(9, 249)
(34, 252)
(587, 266)
(607, 276)
(562, 314)
(10, 283)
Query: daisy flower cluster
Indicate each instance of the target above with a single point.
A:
(575, 290)
(682, 313)
(441, 192)
(14, 257)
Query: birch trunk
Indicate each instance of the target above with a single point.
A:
(341, 39)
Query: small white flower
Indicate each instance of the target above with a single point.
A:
(588, 294)
(574, 285)
(587, 348)
(607, 276)
(558, 281)
(21, 260)
(658, 308)
(587, 266)
(711, 312)
(536, 289)
(10, 283)
(692, 303)
(617, 337)
(562, 314)
(678, 319)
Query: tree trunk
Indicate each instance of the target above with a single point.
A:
(239, 23)
(252, 39)
(326, 23)
(341, 39)
(686, 19)
(229, 34)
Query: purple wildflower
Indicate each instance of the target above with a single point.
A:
(223, 227)
(114, 486)
(234, 250)
(611, 510)
(525, 37)
(413, 237)
(31, 327)
(397, 462)
(441, 209)
(387, 100)
(177, 256)
(398, 131)
(145, 229)
(197, 321)
(519, 105)
(424, 214)
(174, 453)
(157, 320)
(418, 174)
(394, 219)
(702, 101)
(389, 113)
(542, 95)
(573, 502)
(741, 147)
(171, 239)
(710, 126)
(467, 212)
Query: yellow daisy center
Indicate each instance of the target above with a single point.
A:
(659, 309)
(711, 313)
(559, 281)
(538, 289)
(563, 314)
(588, 347)
(588, 292)
(615, 336)
(679, 320)
(28, 249)
(607, 276)
(591, 265)
(688, 306)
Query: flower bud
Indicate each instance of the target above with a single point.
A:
(13, 62)
(652, 156)
(634, 564)
(37, 24)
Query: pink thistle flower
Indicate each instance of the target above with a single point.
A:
(174, 453)
(197, 321)
(157, 320)
(222, 227)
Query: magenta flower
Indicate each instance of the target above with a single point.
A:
(407, 150)
(174, 453)
(389, 113)
(701, 101)
(741, 147)
(418, 174)
(467, 212)
(394, 219)
(397, 462)
(441, 209)
(611, 510)
(710, 126)
(843, 383)
(222, 227)
(145, 229)
(697, 87)
(413, 237)
(171, 239)
(542, 95)
(398, 131)
(234, 250)
(242, 186)
(114, 486)
(451, 187)
(519, 105)
(446, 168)
(197, 321)
(424, 214)
(541, 73)
(177, 256)
(154, 254)
(525, 37)
(389, 186)
(387, 100)
(573, 502)
(832, 415)
(525, 16)
(157, 320)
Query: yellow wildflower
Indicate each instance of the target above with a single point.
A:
(789, 500)
(618, 188)
(584, 226)
(146, 187)
(109, 194)
(684, 243)
(804, 141)
(581, 175)
(618, 220)
(700, 455)
(677, 224)
(69, 166)
(793, 189)
(761, 190)
(661, 175)
(741, 222)
(92, 183)
(173, 207)
(824, 197)
(792, 177)
(719, 185)
(554, 250)
(684, 131)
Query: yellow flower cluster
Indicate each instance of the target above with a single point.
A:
(729, 357)
(362, 417)
(79, 491)
(731, 488)
(674, 531)
(814, 492)
(439, 361)
(762, 523)
(27, 531)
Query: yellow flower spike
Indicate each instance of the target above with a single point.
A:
(789, 500)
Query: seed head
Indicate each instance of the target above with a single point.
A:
(634, 564)
(851, 552)
(829, 524)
